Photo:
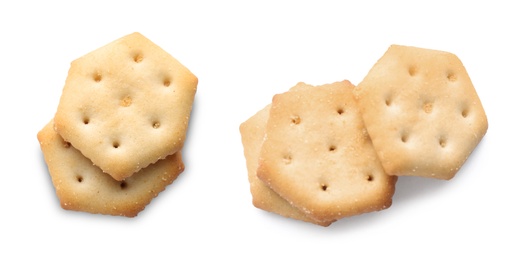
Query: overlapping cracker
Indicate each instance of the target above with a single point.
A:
(82, 186)
(421, 111)
(126, 105)
(252, 135)
(317, 154)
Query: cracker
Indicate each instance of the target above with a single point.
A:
(82, 186)
(126, 105)
(317, 154)
(252, 135)
(421, 111)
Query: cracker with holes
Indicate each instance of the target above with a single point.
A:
(126, 105)
(252, 135)
(421, 111)
(317, 154)
(82, 186)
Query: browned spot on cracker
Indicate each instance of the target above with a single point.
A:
(404, 137)
(442, 141)
(295, 119)
(138, 57)
(412, 71)
(126, 102)
(287, 159)
(97, 77)
(167, 82)
(465, 113)
(452, 77)
(428, 107)
(388, 101)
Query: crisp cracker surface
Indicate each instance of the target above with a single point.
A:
(252, 135)
(82, 186)
(317, 154)
(126, 105)
(421, 111)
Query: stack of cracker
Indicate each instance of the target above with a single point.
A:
(322, 153)
(116, 139)
(309, 156)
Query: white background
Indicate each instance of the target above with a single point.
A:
(244, 53)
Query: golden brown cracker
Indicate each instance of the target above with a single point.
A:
(252, 135)
(126, 105)
(82, 186)
(421, 111)
(317, 154)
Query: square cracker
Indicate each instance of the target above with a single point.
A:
(252, 135)
(82, 186)
(126, 105)
(317, 154)
(421, 111)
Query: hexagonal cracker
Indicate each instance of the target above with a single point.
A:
(317, 154)
(82, 186)
(126, 105)
(421, 111)
(252, 136)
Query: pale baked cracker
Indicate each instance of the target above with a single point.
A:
(126, 105)
(252, 135)
(82, 186)
(421, 111)
(317, 154)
